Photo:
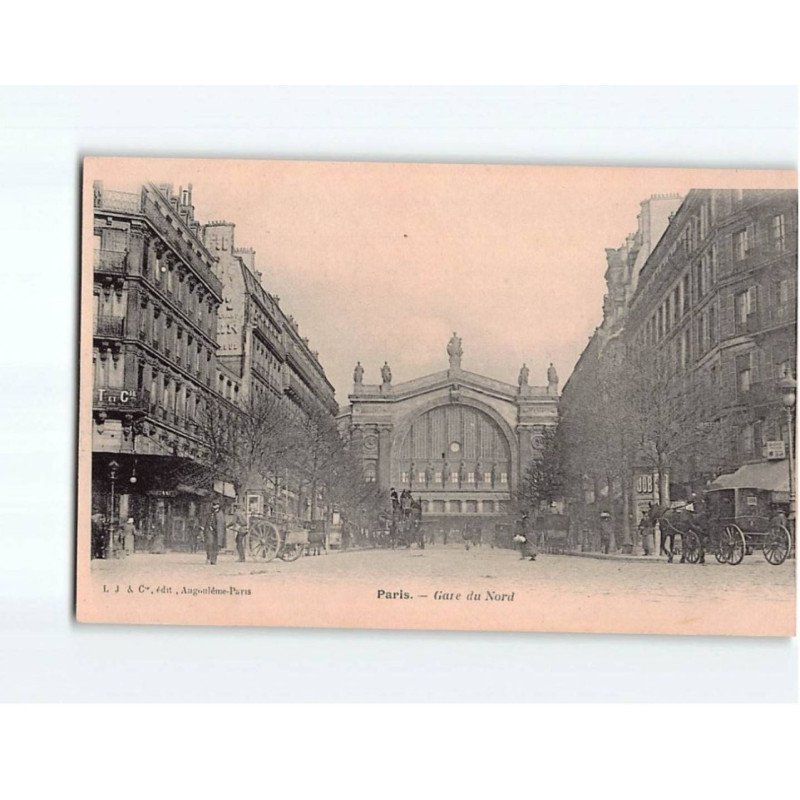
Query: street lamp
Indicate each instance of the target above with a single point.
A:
(788, 387)
(113, 469)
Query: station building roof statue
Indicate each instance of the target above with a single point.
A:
(456, 439)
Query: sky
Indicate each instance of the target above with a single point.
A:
(384, 261)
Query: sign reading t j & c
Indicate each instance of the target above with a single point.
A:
(118, 397)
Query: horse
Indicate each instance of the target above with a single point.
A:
(316, 543)
(680, 522)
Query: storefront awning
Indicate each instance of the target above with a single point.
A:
(182, 487)
(770, 476)
(224, 488)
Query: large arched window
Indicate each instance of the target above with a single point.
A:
(454, 445)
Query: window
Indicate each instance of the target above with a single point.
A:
(685, 343)
(403, 477)
(741, 245)
(685, 294)
(453, 477)
(743, 374)
(487, 477)
(712, 324)
(503, 477)
(470, 477)
(437, 477)
(742, 301)
(747, 440)
(421, 477)
(779, 232)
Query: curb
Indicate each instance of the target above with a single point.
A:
(618, 557)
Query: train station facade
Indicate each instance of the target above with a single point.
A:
(457, 440)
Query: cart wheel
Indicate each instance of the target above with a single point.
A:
(735, 545)
(264, 540)
(719, 548)
(777, 545)
(291, 552)
(691, 547)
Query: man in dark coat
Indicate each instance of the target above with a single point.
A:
(215, 532)
(240, 525)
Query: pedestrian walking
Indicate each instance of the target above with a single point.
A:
(214, 532)
(525, 538)
(647, 530)
(128, 536)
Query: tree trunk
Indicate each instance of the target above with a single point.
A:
(627, 537)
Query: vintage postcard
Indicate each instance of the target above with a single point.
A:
(437, 396)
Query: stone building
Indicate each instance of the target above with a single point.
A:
(156, 297)
(601, 473)
(716, 309)
(263, 353)
(456, 439)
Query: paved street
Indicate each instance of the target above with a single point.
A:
(657, 591)
(754, 577)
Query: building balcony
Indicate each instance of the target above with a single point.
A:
(110, 262)
(109, 327)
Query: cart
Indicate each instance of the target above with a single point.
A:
(268, 539)
(743, 512)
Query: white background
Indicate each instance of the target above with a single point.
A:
(44, 133)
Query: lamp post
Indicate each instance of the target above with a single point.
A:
(788, 387)
(113, 469)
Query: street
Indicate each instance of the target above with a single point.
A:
(563, 592)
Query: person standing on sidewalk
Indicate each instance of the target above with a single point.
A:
(240, 525)
(214, 532)
(128, 536)
(605, 532)
(646, 530)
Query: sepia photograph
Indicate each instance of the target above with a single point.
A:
(437, 396)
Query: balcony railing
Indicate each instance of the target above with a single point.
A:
(133, 400)
(110, 261)
(113, 327)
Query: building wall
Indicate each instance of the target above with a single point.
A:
(717, 304)
(156, 298)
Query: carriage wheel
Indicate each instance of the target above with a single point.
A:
(291, 552)
(692, 547)
(718, 544)
(777, 544)
(264, 540)
(735, 544)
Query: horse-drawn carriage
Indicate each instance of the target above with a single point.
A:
(552, 531)
(269, 539)
(740, 513)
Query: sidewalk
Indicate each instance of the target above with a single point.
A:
(616, 556)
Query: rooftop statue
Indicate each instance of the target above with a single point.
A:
(455, 351)
(358, 373)
(386, 373)
(524, 373)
